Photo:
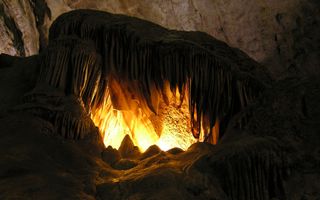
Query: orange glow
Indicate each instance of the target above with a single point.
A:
(115, 124)
(168, 128)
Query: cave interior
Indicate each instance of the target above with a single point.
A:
(117, 107)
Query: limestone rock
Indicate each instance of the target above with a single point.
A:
(175, 151)
(275, 155)
(125, 164)
(281, 35)
(110, 155)
(151, 151)
(127, 149)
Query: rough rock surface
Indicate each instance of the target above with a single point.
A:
(279, 34)
(20, 28)
(275, 156)
(257, 164)
(218, 80)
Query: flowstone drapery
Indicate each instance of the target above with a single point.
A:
(87, 49)
(99, 68)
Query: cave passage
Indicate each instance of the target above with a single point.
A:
(124, 113)
(159, 86)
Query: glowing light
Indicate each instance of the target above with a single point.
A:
(169, 128)
(176, 126)
(116, 124)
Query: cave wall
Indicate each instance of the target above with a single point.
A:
(280, 141)
(279, 34)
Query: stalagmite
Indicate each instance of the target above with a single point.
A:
(167, 93)
(217, 82)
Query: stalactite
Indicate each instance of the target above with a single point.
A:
(69, 125)
(253, 169)
(218, 84)
(72, 127)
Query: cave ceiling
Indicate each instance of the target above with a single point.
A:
(257, 108)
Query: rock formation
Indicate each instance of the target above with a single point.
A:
(50, 148)
(281, 35)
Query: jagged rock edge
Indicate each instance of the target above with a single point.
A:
(217, 87)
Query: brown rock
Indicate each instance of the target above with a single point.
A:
(110, 155)
(151, 151)
(125, 164)
(127, 148)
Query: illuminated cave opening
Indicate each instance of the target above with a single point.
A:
(124, 112)
(132, 77)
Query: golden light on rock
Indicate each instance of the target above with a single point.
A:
(168, 129)
(123, 113)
